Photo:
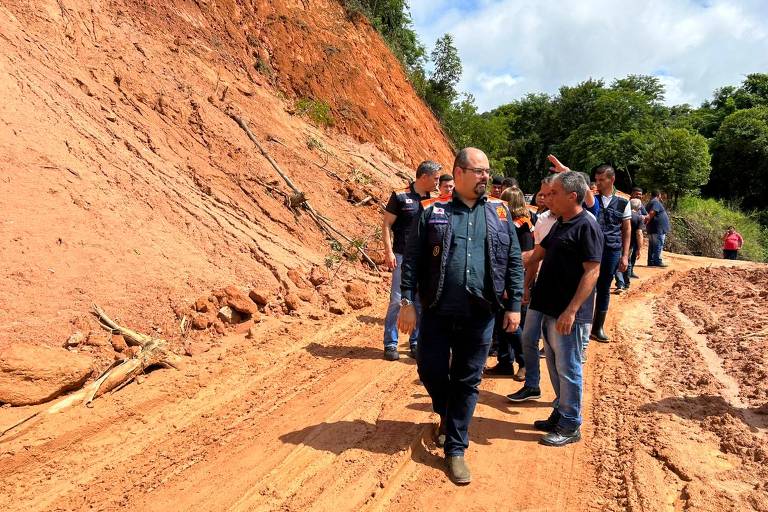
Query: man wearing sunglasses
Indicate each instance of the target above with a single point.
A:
(463, 260)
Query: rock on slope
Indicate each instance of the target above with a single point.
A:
(124, 183)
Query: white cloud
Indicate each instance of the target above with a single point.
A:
(513, 47)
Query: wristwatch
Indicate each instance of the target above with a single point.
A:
(405, 302)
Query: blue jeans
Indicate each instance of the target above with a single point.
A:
(531, 336)
(563, 354)
(608, 266)
(655, 246)
(584, 331)
(390, 321)
(451, 357)
(510, 343)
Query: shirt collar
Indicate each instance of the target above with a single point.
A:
(412, 186)
(572, 219)
(480, 200)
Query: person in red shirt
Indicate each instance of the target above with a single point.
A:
(732, 242)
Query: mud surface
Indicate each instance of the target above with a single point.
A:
(307, 415)
(125, 183)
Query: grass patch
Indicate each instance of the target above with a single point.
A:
(318, 111)
(698, 226)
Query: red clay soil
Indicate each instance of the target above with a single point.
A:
(124, 183)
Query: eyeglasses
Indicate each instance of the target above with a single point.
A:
(477, 171)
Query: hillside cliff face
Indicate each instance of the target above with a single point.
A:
(124, 182)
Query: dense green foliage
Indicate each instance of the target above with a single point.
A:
(719, 149)
(698, 226)
(392, 19)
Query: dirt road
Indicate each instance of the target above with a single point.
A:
(307, 416)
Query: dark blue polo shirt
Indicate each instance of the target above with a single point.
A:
(405, 205)
(569, 244)
(465, 285)
(660, 221)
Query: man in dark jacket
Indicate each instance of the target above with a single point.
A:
(463, 258)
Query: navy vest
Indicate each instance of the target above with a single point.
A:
(610, 218)
(432, 264)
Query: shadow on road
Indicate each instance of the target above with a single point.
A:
(352, 352)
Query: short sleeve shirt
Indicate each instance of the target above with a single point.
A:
(636, 223)
(404, 204)
(568, 246)
(660, 221)
(543, 225)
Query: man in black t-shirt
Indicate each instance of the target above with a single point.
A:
(563, 301)
(403, 207)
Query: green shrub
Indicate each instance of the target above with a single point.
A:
(318, 111)
(698, 226)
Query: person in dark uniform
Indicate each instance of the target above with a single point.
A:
(510, 348)
(403, 207)
(613, 214)
(464, 261)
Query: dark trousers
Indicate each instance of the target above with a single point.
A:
(730, 254)
(623, 278)
(608, 266)
(510, 343)
(451, 357)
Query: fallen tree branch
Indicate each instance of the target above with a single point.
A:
(365, 201)
(297, 198)
(152, 352)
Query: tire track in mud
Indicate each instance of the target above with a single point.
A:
(669, 434)
(228, 411)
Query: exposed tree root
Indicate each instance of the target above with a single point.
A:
(152, 352)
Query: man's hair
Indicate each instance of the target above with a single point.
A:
(586, 177)
(637, 189)
(635, 204)
(549, 179)
(462, 158)
(427, 167)
(509, 182)
(515, 199)
(446, 177)
(655, 193)
(573, 182)
(605, 169)
(497, 180)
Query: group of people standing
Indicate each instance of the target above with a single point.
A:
(477, 263)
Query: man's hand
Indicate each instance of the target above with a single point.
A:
(406, 320)
(565, 321)
(390, 260)
(526, 297)
(624, 263)
(511, 321)
(557, 165)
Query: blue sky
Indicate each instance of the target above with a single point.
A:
(513, 47)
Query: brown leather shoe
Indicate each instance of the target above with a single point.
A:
(458, 471)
